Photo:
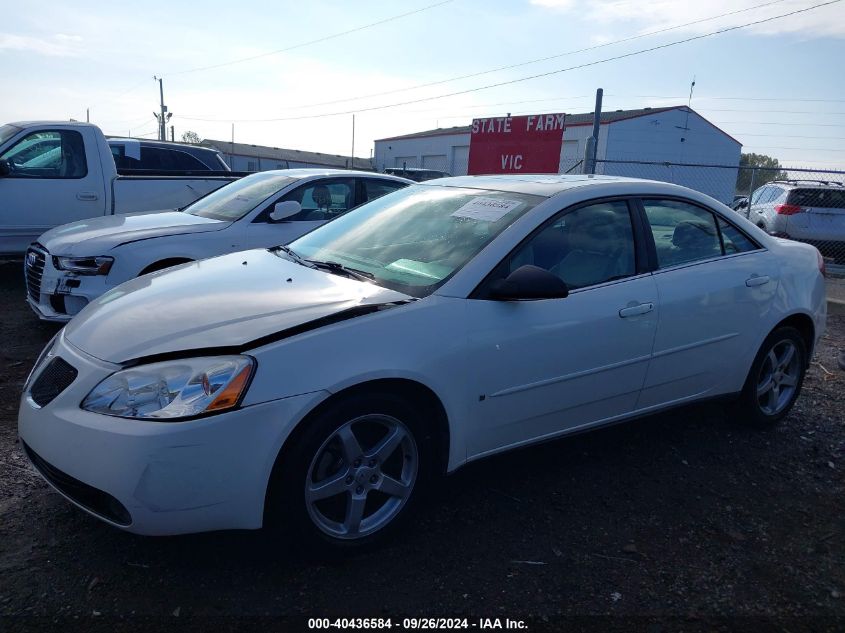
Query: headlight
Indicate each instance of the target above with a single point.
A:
(85, 265)
(173, 389)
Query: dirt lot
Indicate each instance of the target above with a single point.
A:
(683, 518)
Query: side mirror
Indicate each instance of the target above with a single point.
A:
(285, 210)
(5, 168)
(742, 205)
(529, 283)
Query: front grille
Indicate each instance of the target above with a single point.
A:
(92, 499)
(34, 270)
(54, 379)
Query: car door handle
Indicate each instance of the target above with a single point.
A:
(87, 196)
(636, 310)
(757, 280)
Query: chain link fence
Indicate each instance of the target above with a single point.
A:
(807, 205)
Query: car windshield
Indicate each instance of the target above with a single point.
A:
(414, 239)
(7, 132)
(234, 201)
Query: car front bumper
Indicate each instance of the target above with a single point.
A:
(57, 295)
(156, 478)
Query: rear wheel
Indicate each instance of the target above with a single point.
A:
(775, 379)
(352, 475)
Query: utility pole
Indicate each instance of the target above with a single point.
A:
(352, 156)
(589, 166)
(164, 117)
(172, 133)
(88, 115)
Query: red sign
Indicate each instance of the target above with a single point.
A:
(519, 144)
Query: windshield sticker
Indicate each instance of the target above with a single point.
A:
(486, 209)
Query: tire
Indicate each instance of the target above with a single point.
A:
(367, 495)
(774, 381)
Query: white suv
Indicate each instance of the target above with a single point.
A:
(811, 211)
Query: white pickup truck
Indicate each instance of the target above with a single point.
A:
(41, 188)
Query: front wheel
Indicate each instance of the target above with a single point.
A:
(775, 379)
(352, 474)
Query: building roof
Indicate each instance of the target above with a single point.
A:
(585, 118)
(279, 154)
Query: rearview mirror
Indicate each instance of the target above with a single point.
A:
(529, 283)
(285, 210)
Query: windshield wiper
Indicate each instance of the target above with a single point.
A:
(338, 268)
(294, 256)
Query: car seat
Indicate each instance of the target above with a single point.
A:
(600, 248)
(323, 199)
(695, 240)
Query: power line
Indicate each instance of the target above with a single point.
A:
(700, 97)
(779, 123)
(521, 79)
(803, 149)
(310, 42)
(820, 138)
(772, 111)
(532, 61)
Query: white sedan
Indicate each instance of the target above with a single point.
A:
(319, 387)
(73, 264)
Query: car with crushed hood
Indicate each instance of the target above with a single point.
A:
(320, 388)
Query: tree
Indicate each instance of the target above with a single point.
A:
(771, 170)
(191, 137)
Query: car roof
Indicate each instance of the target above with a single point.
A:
(808, 184)
(187, 147)
(546, 185)
(309, 172)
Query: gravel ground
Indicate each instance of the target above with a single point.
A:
(684, 519)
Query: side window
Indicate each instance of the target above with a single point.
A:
(734, 240)
(323, 200)
(586, 246)
(185, 162)
(48, 154)
(755, 197)
(775, 193)
(377, 188)
(168, 160)
(682, 232)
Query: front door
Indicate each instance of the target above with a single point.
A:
(548, 366)
(52, 180)
(321, 201)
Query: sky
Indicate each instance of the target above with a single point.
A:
(291, 74)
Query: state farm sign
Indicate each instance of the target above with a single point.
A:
(520, 144)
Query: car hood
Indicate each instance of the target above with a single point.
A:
(96, 236)
(224, 302)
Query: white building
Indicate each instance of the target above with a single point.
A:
(672, 136)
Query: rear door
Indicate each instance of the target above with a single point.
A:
(715, 285)
(55, 178)
(372, 188)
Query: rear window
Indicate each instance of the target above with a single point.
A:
(819, 198)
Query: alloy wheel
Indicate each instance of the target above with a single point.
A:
(361, 476)
(779, 376)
